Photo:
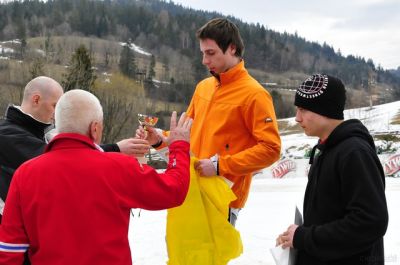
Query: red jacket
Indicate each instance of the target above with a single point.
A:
(71, 205)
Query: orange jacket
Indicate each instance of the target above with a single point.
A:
(234, 118)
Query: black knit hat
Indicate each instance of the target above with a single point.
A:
(322, 94)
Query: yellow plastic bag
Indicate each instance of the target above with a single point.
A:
(198, 231)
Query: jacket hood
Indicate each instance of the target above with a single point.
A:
(347, 129)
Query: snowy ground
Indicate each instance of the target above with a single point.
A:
(269, 211)
(270, 207)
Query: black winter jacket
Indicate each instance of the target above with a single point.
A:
(345, 211)
(21, 138)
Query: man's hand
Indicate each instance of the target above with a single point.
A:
(286, 239)
(205, 167)
(134, 147)
(180, 131)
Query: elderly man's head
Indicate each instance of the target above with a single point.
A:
(79, 111)
(40, 98)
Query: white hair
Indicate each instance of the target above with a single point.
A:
(76, 110)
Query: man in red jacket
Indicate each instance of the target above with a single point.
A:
(71, 205)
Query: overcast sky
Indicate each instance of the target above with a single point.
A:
(367, 28)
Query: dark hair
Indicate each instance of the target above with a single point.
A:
(224, 33)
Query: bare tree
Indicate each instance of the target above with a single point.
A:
(122, 98)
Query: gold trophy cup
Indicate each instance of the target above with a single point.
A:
(144, 121)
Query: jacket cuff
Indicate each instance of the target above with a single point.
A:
(160, 142)
(180, 144)
(298, 238)
(214, 160)
(110, 147)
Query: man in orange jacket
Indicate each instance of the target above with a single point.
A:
(235, 131)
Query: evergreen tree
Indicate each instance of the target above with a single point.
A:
(23, 48)
(102, 25)
(48, 48)
(127, 61)
(36, 68)
(151, 73)
(80, 73)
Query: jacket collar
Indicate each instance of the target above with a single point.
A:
(232, 74)
(71, 140)
(17, 116)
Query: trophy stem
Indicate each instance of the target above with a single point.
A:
(142, 159)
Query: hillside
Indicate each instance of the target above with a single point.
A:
(166, 58)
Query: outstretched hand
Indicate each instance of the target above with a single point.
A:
(134, 147)
(180, 130)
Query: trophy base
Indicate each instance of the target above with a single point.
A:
(142, 160)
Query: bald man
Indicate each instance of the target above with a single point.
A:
(24, 127)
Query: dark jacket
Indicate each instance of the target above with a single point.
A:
(22, 138)
(345, 211)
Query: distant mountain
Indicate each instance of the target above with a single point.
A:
(395, 72)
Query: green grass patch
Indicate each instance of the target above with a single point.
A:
(387, 137)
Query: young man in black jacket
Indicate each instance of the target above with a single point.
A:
(345, 211)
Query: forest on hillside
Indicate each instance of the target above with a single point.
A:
(50, 37)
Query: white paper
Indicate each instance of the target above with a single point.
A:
(287, 256)
(280, 255)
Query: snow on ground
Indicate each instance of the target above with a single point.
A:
(269, 211)
(270, 207)
(5, 49)
(16, 41)
(41, 52)
(136, 48)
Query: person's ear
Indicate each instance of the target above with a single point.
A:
(93, 130)
(232, 49)
(36, 99)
